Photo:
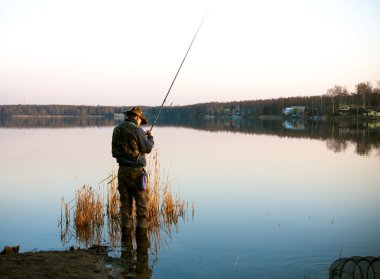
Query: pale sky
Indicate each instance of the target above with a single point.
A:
(127, 52)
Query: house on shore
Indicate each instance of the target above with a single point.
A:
(352, 110)
(294, 111)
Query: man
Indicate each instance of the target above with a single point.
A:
(130, 143)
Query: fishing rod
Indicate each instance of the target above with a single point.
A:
(175, 77)
(167, 94)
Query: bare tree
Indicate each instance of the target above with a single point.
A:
(364, 89)
(336, 91)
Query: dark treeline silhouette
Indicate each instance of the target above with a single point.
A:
(61, 110)
(55, 122)
(365, 96)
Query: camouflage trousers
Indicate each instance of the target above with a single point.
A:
(129, 183)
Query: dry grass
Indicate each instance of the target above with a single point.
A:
(165, 209)
(113, 199)
(88, 216)
(113, 207)
(65, 222)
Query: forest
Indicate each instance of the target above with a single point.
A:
(365, 96)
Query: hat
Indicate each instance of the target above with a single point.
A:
(137, 111)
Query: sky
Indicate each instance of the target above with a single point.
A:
(125, 53)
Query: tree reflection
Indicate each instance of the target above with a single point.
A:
(363, 134)
(336, 144)
(55, 122)
(363, 149)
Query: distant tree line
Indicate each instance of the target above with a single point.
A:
(365, 96)
(61, 110)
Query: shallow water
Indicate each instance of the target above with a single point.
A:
(267, 206)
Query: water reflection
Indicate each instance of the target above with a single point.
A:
(293, 124)
(55, 122)
(364, 135)
(338, 135)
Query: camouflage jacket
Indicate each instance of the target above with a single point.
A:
(130, 144)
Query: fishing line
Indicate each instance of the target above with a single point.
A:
(175, 77)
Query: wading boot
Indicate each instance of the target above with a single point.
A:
(142, 223)
(142, 265)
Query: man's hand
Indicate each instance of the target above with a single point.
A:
(148, 133)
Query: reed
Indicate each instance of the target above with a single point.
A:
(113, 209)
(164, 209)
(192, 211)
(65, 213)
(113, 198)
(153, 170)
(88, 216)
(64, 223)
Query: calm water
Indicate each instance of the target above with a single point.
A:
(278, 202)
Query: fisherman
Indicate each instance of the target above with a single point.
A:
(130, 143)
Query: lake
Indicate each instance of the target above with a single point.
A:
(274, 199)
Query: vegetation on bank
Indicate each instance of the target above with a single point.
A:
(365, 96)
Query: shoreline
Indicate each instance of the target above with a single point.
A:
(82, 263)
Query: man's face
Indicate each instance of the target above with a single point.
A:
(139, 120)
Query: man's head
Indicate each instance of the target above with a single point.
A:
(136, 111)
